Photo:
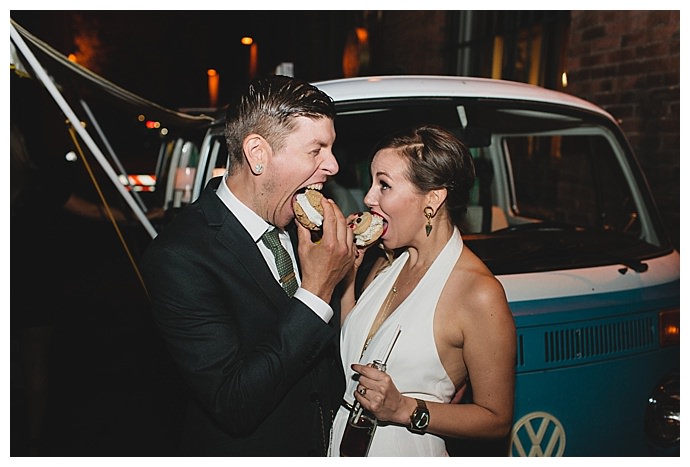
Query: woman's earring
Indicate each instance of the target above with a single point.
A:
(428, 212)
(258, 168)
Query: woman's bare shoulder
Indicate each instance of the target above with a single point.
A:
(473, 286)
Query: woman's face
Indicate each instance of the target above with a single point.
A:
(396, 199)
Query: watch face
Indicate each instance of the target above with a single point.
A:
(421, 419)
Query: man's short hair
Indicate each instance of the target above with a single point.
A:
(268, 107)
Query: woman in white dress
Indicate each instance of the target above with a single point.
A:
(443, 309)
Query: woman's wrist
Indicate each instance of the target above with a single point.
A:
(407, 406)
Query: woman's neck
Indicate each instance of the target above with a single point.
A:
(424, 252)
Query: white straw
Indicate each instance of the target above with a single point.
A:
(390, 347)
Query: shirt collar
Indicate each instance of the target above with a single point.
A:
(251, 221)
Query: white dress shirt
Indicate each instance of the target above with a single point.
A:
(256, 227)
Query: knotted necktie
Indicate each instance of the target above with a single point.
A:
(283, 261)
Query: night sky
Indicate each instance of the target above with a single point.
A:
(163, 56)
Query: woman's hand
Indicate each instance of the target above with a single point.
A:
(378, 394)
(347, 300)
(360, 249)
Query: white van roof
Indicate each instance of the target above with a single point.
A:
(381, 87)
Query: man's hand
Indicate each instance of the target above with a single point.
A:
(325, 263)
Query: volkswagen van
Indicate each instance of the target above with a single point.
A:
(562, 215)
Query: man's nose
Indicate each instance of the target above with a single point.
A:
(330, 163)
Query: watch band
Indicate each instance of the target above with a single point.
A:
(419, 420)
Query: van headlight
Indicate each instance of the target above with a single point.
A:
(662, 418)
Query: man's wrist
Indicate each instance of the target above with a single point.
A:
(322, 309)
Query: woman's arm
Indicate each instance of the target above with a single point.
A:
(483, 326)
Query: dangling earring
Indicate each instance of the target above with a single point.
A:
(428, 212)
(258, 169)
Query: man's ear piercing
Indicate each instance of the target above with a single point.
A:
(258, 169)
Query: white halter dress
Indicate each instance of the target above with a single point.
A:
(414, 363)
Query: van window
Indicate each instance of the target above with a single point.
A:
(575, 180)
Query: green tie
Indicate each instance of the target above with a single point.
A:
(283, 261)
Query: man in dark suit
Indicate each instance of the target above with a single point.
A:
(262, 366)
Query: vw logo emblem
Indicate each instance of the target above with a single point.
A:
(538, 434)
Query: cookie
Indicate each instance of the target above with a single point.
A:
(308, 209)
(367, 227)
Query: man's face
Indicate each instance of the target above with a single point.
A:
(305, 159)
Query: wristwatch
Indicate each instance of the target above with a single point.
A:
(419, 420)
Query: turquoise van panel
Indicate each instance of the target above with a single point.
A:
(585, 369)
(595, 409)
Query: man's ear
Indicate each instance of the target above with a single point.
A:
(256, 151)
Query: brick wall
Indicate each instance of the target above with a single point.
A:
(628, 62)
(409, 42)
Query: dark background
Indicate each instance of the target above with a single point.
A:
(163, 56)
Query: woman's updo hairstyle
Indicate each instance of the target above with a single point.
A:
(436, 159)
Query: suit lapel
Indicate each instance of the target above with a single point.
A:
(233, 237)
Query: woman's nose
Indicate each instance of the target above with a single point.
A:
(369, 198)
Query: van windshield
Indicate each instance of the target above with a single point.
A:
(556, 187)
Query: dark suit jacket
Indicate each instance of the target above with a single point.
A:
(263, 369)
